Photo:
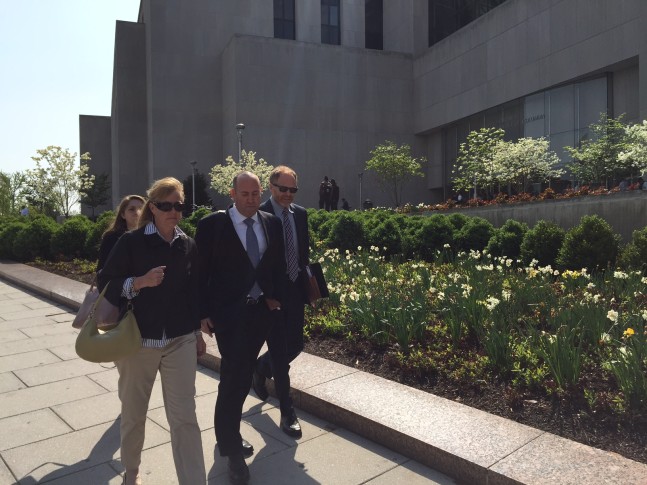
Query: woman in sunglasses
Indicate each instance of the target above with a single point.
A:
(154, 266)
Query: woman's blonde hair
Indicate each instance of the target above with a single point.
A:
(161, 188)
(119, 223)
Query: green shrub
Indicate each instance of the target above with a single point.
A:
(34, 240)
(458, 220)
(69, 241)
(475, 234)
(346, 232)
(93, 241)
(199, 213)
(411, 236)
(386, 235)
(435, 232)
(542, 243)
(592, 244)
(634, 254)
(188, 228)
(507, 240)
(316, 218)
(8, 235)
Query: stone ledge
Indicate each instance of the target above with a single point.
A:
(465, 443)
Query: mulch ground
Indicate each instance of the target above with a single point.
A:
(626, 436)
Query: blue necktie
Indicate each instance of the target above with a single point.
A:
(253, 252)
(290, 252)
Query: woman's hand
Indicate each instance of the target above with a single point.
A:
(206, 325)
(154, 277)
(200, 345)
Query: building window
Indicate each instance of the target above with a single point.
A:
(330, 25)
(373, 33)
(448, 16)
(284, 19)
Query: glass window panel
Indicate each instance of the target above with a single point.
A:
(557, 143)
(284, 19)
(592, 101)
(534, 116)
(562, 109)
(447, 16)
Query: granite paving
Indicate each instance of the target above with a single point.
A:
(357, 428)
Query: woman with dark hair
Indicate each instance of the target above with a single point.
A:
(126, 219)
(154, 267)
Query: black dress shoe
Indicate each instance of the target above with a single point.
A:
(258, 384)
(248, 449)
(290, 425)
(238, 471)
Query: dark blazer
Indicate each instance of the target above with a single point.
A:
(171, 306)
(303, 238)
(227, 274)
(301, 222)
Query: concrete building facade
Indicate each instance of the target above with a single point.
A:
(187, 72)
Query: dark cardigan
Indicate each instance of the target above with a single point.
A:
(171, 306)
(107, 243)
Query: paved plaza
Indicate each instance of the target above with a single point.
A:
(59, 419)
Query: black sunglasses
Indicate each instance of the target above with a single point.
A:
(283, 188)
(167, 206)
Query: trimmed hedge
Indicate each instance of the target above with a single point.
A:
(592, 244)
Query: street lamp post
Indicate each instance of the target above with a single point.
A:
(361, 176)
(239, 128)
(193, 164)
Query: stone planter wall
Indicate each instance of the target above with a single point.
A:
(624, 211)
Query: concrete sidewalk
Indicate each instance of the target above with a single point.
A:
(467, 444)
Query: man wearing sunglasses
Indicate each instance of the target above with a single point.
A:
(285, 340)
(242, 263)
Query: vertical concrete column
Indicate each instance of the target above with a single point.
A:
(308, 20)
(642, 84)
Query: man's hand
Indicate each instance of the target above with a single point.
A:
(206, 325)
(200, 346)
(273, 304)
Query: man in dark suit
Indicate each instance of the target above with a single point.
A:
(242, 264)
(285, 340)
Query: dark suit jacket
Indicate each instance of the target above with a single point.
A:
(303, 238)
(227, 274)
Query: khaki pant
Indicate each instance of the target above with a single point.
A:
(177, 366)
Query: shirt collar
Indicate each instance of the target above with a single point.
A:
(238, 218)
(278, 208)
(151, 228)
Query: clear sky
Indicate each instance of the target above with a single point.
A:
(56, 61)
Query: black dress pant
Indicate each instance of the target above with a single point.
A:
(284, 343)
(239, 346)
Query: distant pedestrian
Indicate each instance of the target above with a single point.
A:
(324, 193)
(344, 204)
(334, 194)
(126, 219)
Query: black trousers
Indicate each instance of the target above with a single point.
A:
(284, 343)
(239, 347)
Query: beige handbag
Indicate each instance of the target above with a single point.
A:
(106, 336)
(89, 301)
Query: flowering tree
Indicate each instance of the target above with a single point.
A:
(12, 188)
(524, 161)
(597, 158)
(56, 181)
(635, 154)
(475, 163)
(223, 175)
(394, 166)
